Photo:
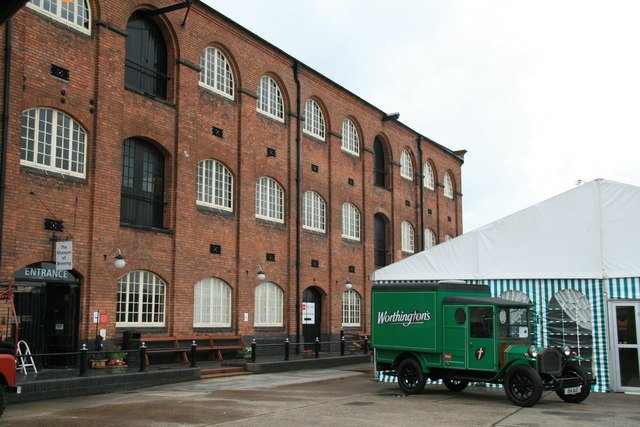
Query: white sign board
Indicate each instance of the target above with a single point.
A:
(64, 255)
(308, 313)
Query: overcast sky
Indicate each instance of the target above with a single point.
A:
(541, 94)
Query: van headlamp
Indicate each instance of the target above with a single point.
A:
(566, 350)
(533, 351)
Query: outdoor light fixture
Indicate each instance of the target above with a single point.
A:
(348, 284)
(390, 116)
(260, 275)
(120, 262)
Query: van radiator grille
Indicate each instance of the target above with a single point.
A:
(550, 361)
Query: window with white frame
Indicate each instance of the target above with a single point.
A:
(350, 140)
(313, 119)
(350, 222)
(429, 177)
(212, 303)
(53, 141)
(448, 186)
(215, 185)
(408, 235)
(569, 322)
(447, 237)
(268, 305)
(215, 72)
(350, 308)
(140, 300)
(406, 165)
(74, 13)
(313, 212)
(269, 199)
(429, 238)
(270, 99)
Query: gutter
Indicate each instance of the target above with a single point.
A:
(421, 184)
(5, 127)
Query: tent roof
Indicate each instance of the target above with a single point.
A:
(591, 231)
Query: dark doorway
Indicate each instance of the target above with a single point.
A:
(311, 316)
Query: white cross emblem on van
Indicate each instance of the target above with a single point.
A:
(480, 353)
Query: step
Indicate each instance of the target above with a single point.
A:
(224, 375)
(222, 372)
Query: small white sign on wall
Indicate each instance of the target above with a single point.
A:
(308, 313)
(64, 255)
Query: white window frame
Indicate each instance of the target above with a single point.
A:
(429, 238)
(75, 14)
(269, 100)
(408, 237)
(268, 305)
(429, 176)
(214, 185)
(212, 304)
(406, 165)
(132, 290)
(269, 200)
(350, 139)
(448, 186)
(53, 141)
(313, 120)
(351, 308)
(216, 73)
(350, 222)
(313, 212)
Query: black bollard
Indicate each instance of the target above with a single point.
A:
(194, 347)
(84, 358)
(253, 351)
(341, 345)
(286, 349)
(143, 357)
(317, 349)
(366, 345)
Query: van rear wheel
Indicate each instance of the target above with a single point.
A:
(410, 376)
(456, 385)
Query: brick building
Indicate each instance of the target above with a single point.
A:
(201, 154)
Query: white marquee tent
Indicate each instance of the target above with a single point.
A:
(584, 240)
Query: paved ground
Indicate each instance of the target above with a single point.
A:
(323, 397)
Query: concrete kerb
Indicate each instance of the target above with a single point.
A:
(298, 364)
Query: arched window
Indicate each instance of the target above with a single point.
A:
(406, 165)
(350, 308)
(215, 185)
(380, 165)
(380, 239)
(350, 222)
(313, 119)
(211, 303)
(313, 212)
(53, 141)
(269, 308)
(142, 195)
(429, 238)
(569, 323)
(429, 177)
(350, 140)
(140, 300)
(448, 186)
(407, 237)
(516, 296)
(270, 99)
(215, 72)
(269, 199)
(146, 57)
(74, 13)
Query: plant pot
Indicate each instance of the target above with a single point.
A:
(99, 363)
(308, 355)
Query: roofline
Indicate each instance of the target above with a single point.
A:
(322, 76)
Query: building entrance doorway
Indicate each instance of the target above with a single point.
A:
(625, 336)
(46, 302)
(311, 316)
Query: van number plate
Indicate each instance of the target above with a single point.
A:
(572, 390)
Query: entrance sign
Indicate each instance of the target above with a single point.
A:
(45, 272)
(308, 313)
(64, 255)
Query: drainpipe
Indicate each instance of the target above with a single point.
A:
(296, 70)
(421, 184)
(5, 127)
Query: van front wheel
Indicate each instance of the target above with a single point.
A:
(523, 385)
(410, 376)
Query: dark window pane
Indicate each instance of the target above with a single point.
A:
(379, 164)
(146, 57)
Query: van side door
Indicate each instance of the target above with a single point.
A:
(481, 339)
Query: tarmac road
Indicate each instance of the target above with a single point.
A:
(323, 397)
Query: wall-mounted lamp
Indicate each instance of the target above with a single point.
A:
(348, 284)
(260, 275)
(120, 262)
(390, 116)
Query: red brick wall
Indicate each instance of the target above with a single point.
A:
(181, 128)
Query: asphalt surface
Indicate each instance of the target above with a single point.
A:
(322, 397)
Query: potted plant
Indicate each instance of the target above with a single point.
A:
(245, 353)
(308, 354)
(117, 359)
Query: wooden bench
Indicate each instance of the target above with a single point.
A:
(180, 346)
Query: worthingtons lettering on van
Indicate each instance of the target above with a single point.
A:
(402, 318)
